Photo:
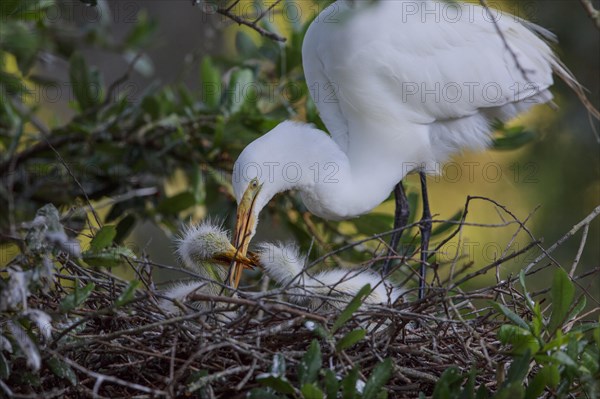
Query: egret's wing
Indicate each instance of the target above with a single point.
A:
(402, 64)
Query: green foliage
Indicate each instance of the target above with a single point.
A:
(127, 146)
(511, 138)
(103, 238)
(62, 370)
(314, 381)
(78, 297)
(547, 353)
(352, 307)
(310, 365)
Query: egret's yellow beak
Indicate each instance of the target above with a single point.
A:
(244, 230)
(248, 261)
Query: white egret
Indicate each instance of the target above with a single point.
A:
(201, 246)
(400, 85)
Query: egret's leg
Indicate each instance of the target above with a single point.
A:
(400, 220)
(425, 227)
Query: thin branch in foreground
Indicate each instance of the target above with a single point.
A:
(592, 12)
(253, 24)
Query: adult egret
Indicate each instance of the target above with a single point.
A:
(400, 85)
(203, 245)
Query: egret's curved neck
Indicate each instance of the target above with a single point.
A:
(349, 186)
(332, 185)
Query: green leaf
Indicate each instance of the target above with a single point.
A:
(263, 393)
(128, 293)
(141, 34)
(77, 297)
(562, 293)
(177, 203)
(379, 377)
(482, 392)
(529, 302)
(86, 83)
(445, 226)
(212, 87)
(331, 384)
(581, 304)
(565, 359)
(310, 391)
(518, 369)
(448, 383)
(279, 384)
(349, 384)
(308, 369)
(373, 223)
(351, 308)
(510, 315)
(109, 257)
(4, 367)
(197, 185)
(510, 391)
(124, 228)
(548, 376)
(103, 238)
(537, 323)
(241, 91)
(350, 339)
(468, 391)
(12, 83)
(520, 339)
(245, 45)
(319, 330)
(197, 381)
(513, 137)
(62, 370)
(21, 40)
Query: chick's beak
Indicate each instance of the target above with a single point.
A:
(244, 230)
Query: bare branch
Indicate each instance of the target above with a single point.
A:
(253, 24)
(592, 12)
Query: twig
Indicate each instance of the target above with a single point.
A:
(585, 222)
(512, 53)
(584, 236)
(240, 301)
(227, 12)
(592, 12)
(103, 377)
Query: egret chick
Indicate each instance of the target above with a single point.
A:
(204, 249)
(284, 264)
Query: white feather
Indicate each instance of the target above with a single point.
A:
(401, 85)
(198, 244)
(285, 265)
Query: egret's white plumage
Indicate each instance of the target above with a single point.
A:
(195, 248)
(284, 264)
(400, 85)
(200, 244)
(180, 291)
